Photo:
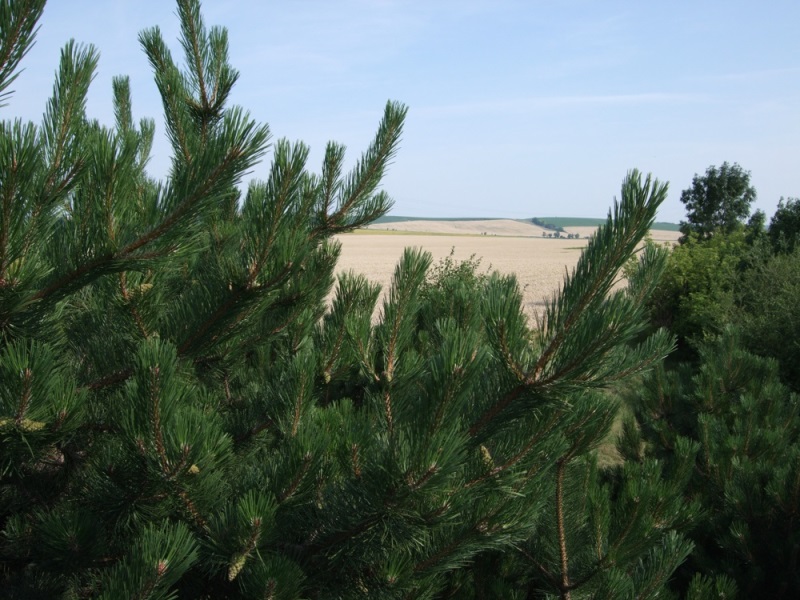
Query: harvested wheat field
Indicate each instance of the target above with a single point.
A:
(503, 245)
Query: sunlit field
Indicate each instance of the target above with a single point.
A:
(539, 263)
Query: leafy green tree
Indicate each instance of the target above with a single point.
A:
(717, 202)
(756, 230)
(768, 312)
(732, 407)
(696, 296)
(784, 227)
(183, 415)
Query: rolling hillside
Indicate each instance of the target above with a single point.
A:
(565, 222)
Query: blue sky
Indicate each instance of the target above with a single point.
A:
(517, 108)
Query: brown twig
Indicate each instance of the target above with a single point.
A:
(562, 537)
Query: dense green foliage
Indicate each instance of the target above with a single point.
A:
(749, 277)
(717, 202)
(768, 312)
(695, 297)
(784, 228)
(731, 298)
(182, 414)
(192, 406)
(731, 406)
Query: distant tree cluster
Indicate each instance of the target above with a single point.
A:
(558, 235)
(540, 223)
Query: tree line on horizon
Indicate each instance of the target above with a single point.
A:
(183, 415)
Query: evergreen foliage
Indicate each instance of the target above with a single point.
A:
(746, 425)
(732, 298)
(181, 414)
(17, 30)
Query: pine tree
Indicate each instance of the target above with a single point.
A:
(182, 415)
(745, 424)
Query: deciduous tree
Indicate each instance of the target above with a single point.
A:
(784, 227)
(717, 202)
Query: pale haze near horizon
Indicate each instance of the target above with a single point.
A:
(516, 108)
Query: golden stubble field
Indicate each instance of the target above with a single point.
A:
(539, 263)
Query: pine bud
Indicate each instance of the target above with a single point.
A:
(237, 566)
(487, 457)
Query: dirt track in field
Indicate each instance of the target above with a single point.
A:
(539, 263)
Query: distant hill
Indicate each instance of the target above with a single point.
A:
(397, 219)
(557, 222)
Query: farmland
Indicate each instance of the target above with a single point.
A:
(504, 245)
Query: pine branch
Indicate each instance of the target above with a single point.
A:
(192, 30)
(123, 115)
(25, 396)
(111, 379)
(155, 407)
(295, 483)
(123, 286)
(94, 268)
(336, 539)
(495, 409)
(18, 19)
(355, 460)
(9, 196)
(442, 553)
(564, 584)
(281, 190)
(587, 287)
(508, 357)
(88, 270)
(255, 430)
(237, 297)
(232, 156)
(331, 178)
(366, 175)
(524, 451)
(408, 277)
(170, 85)
(414, 485)
(549, 576)
(298, 407)
(66, 107)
